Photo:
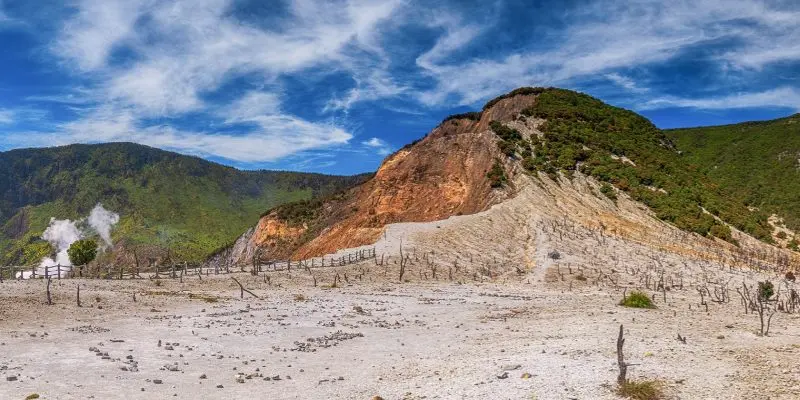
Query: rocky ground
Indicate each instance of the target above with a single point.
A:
(414, 340)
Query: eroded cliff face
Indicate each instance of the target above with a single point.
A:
(442, 175)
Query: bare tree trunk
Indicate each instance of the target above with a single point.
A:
(623, 367)
(49, 299)
(78, 295)
(242, 289)
(402, 263)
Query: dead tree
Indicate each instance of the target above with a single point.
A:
(623, 366)
(242, 290)
(759, 302)
(49, 299)
(402, 263)
(764, 308)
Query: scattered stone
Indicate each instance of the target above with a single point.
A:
(158, 381)
(504, 375)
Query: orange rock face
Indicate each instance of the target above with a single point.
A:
(442, 175)
(270, 232)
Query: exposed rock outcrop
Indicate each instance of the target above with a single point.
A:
(442, 175)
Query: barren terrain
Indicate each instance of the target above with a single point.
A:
(517, 302)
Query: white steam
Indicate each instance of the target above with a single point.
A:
(62, 233)
(101, 220)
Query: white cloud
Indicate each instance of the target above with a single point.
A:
(609, 35)
(625, 82)
(780, 97)
(259, 132)
(89, 37)
(371, 85)
(6, 117)
(177, 52)
(378, 145)
(158, 60)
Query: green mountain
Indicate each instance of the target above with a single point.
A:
(165, 200)
(758, 162)
(626, 151)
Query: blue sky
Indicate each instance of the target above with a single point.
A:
(335, 86)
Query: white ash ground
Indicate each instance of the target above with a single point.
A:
(420, 340)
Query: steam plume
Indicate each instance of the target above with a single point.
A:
(101, 220)
(62, 233)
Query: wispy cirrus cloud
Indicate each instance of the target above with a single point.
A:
(378, 145)
(155, 59)
(608, 36)
(781, 97)
(6, 116)
(299, 80)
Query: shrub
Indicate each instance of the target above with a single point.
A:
(793, 245)
(473, 116)
(516, 92)
(497, 175)
(781, 235)
(765, 290)
(608, 191)
(790, 276)
(641, 390)
(721, 231)
(299, 297)
(637, 300)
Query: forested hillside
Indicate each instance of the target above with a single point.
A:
(186, 204)
(757, 162)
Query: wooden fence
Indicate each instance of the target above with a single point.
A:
(178, 271)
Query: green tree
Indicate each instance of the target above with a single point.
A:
(82, 252)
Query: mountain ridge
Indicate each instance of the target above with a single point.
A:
(533, 131)
(167, 200)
